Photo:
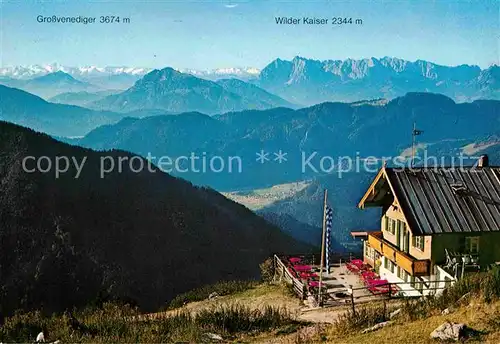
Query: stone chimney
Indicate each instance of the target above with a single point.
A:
(483, 161)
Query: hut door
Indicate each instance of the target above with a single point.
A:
(406, 238)
(398, 234)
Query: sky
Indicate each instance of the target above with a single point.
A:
(219, 34)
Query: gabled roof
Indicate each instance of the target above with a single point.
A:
(442, 200)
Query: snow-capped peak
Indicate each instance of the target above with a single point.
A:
(31, 71)
(219, 73)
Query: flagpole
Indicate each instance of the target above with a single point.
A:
(322, 250)
(413, 137)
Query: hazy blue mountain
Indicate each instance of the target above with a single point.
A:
(176, 92)
(251, 93)
(326, 132)
(119, 81)
(51, 84)
(82, 98)
(11, 82)
(134, 234)
(28, 110)
(308, 82)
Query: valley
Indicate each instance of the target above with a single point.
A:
(261, 198)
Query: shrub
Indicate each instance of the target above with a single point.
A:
(22, 327)
(414, 309)
(362, 318)
(267, 270)
(490, 286)
(238, 318)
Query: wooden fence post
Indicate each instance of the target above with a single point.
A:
(352, 300)
(275, 270)
(385, 310)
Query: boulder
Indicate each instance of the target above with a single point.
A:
(213, 336)
(213, 296)
(40, 338)
(445, 311)
(450, 331)
(394, 314)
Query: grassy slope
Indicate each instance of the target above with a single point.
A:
(478, 316)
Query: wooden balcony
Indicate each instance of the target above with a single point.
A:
(414, 267)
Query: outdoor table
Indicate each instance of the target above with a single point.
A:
(308, 275)
(377, 283)
(358, 262)
(302, 268)
(314, 284)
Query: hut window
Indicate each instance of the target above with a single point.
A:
(418, 242)
(390, 225)
(472, 244)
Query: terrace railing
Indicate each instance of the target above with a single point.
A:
(283, 272)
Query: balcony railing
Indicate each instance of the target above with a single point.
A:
(415, 267)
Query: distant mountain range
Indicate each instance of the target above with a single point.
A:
(305, 81)
(137, 235)
(330, 130)
(172, 91)
(29, 72)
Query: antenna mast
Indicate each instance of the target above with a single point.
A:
(415, 132)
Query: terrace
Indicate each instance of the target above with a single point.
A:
(347, 281)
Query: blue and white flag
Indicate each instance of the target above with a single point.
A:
(328, 248)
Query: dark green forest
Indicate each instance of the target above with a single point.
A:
(139, 237)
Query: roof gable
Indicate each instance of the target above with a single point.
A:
(446, 200)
